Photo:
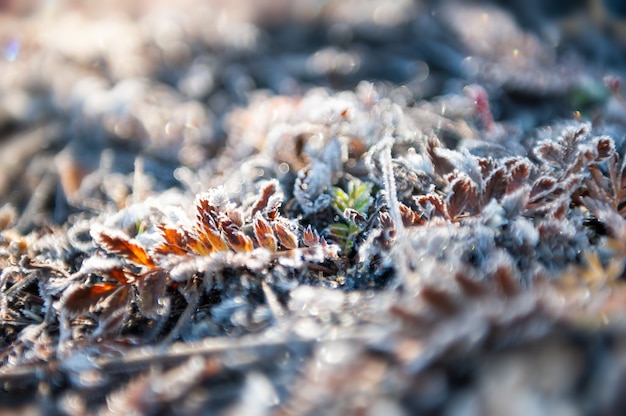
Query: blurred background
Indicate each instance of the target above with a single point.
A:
(89, 89)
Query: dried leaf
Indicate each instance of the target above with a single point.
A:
(605, 147)
(274, 212)
(236, 239)
(263, 201)
(495, 185)
(457, 198)
(118, 274)
(263, 233)
(236, 217)
(287, 238)
(518, 176)
(385, 218)
(355, 216)
(115, 242)
(310, 237)
(175, 241)
(85, 297)
(430, 203)
(550, 153)
(542, 187)
(469, 286)
(206, 227)
(441, 164)
(409, 217)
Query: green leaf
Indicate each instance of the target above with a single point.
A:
(357, 198)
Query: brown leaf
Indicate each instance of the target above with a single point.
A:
(206, 227)
(541, 187)
(495, 186)
(85, 297)
(236, 239)
(310, 237)
(457, 198)
(236, 217)
(441, 164)
(117, 300)
(266, 193)
(274, 212)
(175, 241)
(151, 289)
(518, 176)
(355, 216)
(126, 247)
(286, 237)
(551, 153)
(486, 166)
(386, 221)
(409, 217)
(263, 233)
(606, 148)
(470, 287)
(435, 201)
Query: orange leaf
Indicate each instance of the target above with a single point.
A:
(175, 241)
(85, 297)
(286, 237)
(118, 274)
(264, 233)
(126, 247)
(237, 240)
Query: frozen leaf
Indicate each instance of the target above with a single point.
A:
(236, 217)
(311, 187)
(237, 240)
(605, 147)
(518, 176)
(355, 217)
(409, 218)
(310, 237)
(287, 238)
(116, 242)
(542, 187)
(84, 297)
(495, 185)
(263, 233)
(176, 241)
(432, 204)
(266, 193)
(457, 198)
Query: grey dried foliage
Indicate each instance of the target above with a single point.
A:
(212, 223)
